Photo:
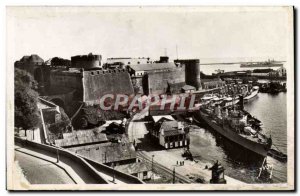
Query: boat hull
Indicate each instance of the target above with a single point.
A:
(251, 96)
(251, 146)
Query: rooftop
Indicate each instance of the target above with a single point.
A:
(153, 66)
(32, 58)
(166, 117)
(169, 128)
(81, 137)
(133, 168)
(106, 152)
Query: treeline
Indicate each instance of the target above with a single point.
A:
(27, 116)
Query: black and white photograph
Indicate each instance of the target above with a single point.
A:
(159, 98)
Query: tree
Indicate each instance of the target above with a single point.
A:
(27, 115)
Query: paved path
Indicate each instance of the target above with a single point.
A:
(136, 128)
(38, 171)
(74, 169)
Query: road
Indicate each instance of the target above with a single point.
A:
(38, 171)
(74, 169)
(136, 127)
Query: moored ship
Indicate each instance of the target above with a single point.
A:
(253, 93)
(238, 126)
(269, 63)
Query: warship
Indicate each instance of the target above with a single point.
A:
(269, 63)
(237, 125)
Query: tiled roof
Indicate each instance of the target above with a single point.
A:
(169, 125)
(81, 137)
(106, 152)
(133, 168)
(171, 128)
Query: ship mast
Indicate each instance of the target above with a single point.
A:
(177, 51)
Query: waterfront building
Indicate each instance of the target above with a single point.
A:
(261, 72)
(281, 71)
(212, 83)
(168, 132)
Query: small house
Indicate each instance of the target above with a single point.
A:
(168, 132)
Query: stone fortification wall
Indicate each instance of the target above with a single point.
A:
(62, 82)
(158, 82)
(86, 61)
(101, 82)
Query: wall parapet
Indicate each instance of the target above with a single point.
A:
(53, 149)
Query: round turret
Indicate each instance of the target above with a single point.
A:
(192, 72)
(86, 61)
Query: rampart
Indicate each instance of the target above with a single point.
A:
(98, 83)
(166, 78)
(86, 61)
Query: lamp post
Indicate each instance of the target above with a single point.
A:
(57, 156)
(152, 164)
(114, 175)
(174, 175)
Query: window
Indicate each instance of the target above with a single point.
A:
(145, 173)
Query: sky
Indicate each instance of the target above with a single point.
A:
(199, 32)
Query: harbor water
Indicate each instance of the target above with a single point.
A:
(208, 146)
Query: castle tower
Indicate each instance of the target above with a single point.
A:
(86, 61)
(192, 72)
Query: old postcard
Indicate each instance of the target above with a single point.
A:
(150, 98)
